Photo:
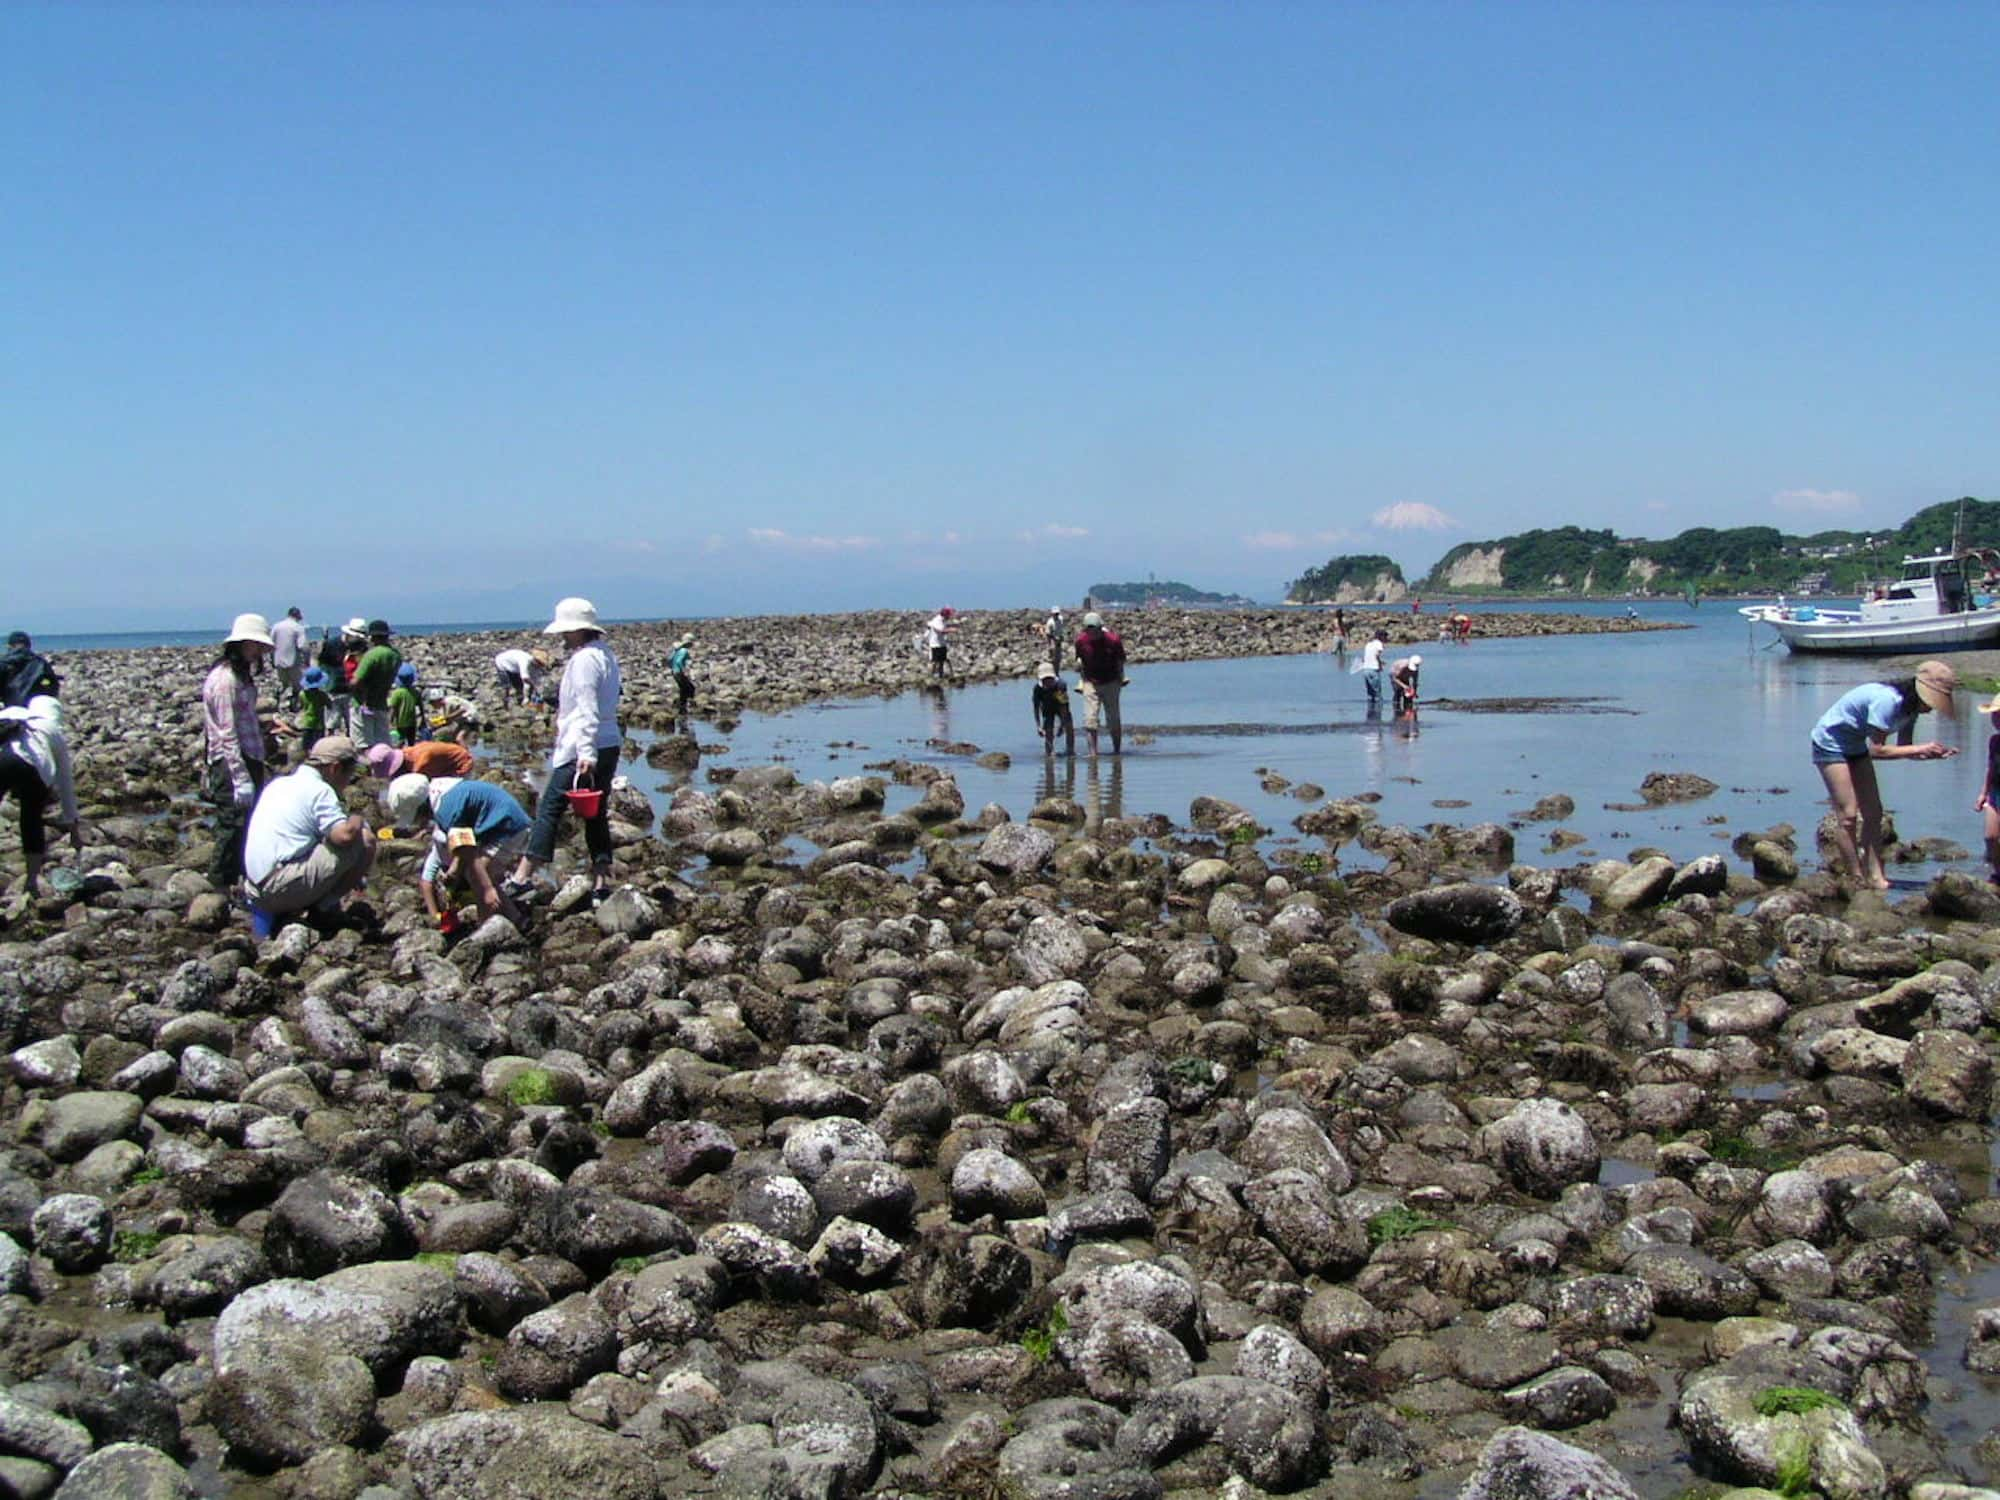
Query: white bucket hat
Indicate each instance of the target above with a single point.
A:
(355, 626)
(249, 628)
(572, 614)
(408, 798)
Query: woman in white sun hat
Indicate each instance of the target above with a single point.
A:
(233, 762)
(586, 752)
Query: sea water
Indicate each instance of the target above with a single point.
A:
(1584, 715)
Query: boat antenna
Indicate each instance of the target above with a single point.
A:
(1958, 527)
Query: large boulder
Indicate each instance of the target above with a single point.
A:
(1543, 1146)
(1519, 1463)
(506, 1455)
(1464, 912)
(327, 1220)
(1016, 849)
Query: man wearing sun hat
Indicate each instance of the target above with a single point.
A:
(677, 663)
(1100, 668)
(374, 680)
(304, 850)
(1853, 734)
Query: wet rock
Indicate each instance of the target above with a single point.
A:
(40, 1434)
(73, 1230)
(1067, 1450)
(127, 1471)
(1949, 1074)
(1131, 1149)
(1337, 1320)
(1050, 949)
(1543, 1146)
(594, 1229)
(1563, 1398)
(1312, 1228)
(1016, 849)
(1638, 1015)
(1520, 1464)
(975, 1282)
(1773, 862)
(502, 1455)
(986, 1181)
(1266, 1435)
(552, 1352)
(327, 1220)
(1686, 1283)
(1963, 898)
(1123, 1359)
(1662, 787)
(293, 1397)
(1462, 913)
(1737, 1013)
(1717, 1415)
(1644, 884)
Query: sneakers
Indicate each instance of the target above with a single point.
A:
(520, 892)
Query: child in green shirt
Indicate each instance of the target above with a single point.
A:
(315, 703)
(405, 708)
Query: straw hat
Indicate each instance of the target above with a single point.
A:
(572, 614)
(541, 659)
(249, 628)
(1936, 682)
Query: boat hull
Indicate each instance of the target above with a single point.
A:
(1960, 632)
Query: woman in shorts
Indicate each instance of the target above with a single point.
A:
(1852, 735)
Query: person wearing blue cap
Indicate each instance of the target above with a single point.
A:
(315, 703)
(406, 709)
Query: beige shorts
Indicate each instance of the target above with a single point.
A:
(300, 883)
(1101, 698)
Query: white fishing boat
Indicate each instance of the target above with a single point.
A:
(1932, 607)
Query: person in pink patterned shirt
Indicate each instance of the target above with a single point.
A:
(233, 763)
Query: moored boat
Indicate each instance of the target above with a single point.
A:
(1930, 608)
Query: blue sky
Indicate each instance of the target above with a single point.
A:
(445, 311)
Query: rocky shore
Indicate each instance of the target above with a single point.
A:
(868, 1143)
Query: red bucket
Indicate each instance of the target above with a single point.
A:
(587, 800)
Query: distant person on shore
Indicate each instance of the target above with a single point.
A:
(475, 825)
(1461, 625)
(1054, 632)
(1416, 606)
(374, 680)
(425, 758)
(25, 675)
(1852, 735)
(520, 674)
(35, 770)
(1370, 666)
(1403, 682)
(406, 709)
(1100, 664)
(1050, 701)
(586, 751)
(288, 655)
(234, 755)
(937, 636)
(678, 663)
(304, 851)
(1989, 792)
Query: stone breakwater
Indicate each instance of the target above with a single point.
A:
(766, 662)
(846, 1151)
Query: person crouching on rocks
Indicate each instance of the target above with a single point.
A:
(475, 825)
(1051, 705)
(431, 758)
(586, 750)
(304, 851)
(1403, 682)
(520, 674)
(1852, 735)
(35, 769)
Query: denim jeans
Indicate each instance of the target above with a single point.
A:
(1373, 682)
(549, 811)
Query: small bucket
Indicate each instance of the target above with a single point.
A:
(263, 923)
(588, 801)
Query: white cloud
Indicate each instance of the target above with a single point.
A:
(714, 543)
(1053, 532)
(1821, 502)
(1271, 541)
(771, 536)
(1412, 515)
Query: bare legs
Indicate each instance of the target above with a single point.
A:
(1857, 820)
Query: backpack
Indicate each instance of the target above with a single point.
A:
(24, 675)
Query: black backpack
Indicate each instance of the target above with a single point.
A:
(24, 675)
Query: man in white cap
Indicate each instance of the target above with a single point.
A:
(586, 750)
(1403, 683)
(305, 852)
(1100, 666)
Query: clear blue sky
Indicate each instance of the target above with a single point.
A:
(443, 312)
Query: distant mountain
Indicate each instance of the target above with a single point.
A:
(1741, 559)
(1169, 592)
(1366, 578)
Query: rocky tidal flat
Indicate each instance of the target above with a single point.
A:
(847, 1151)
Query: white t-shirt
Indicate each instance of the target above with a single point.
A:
(291, 817)
(1371, 657)
(934, 632)
(288, 638)
(517, 663)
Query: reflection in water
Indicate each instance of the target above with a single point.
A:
(1058, 778)
(940, 705)
(1102, 800)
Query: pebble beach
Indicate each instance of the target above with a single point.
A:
(954, 1151)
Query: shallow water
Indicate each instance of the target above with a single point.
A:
(1706, 700)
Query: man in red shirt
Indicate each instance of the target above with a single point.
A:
(1100, 660)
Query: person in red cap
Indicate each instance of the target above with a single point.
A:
(937, 635)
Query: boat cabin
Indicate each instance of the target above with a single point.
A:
(1930, 586)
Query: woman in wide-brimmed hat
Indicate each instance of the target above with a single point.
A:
(586, 752)
(233, 765)
(1853, 734)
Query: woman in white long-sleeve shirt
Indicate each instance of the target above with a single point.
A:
(34, 767)
(587, 743)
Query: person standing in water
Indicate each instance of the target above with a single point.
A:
(1100, 664)
(1371, 666)
(1852, 735)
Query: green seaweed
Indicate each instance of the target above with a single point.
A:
(531, 1086)
(1793, 1400)
(1400, 1223)
(135, 1244)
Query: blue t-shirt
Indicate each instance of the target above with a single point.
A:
(1874, 707)
(678, 662)
(486, 809)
